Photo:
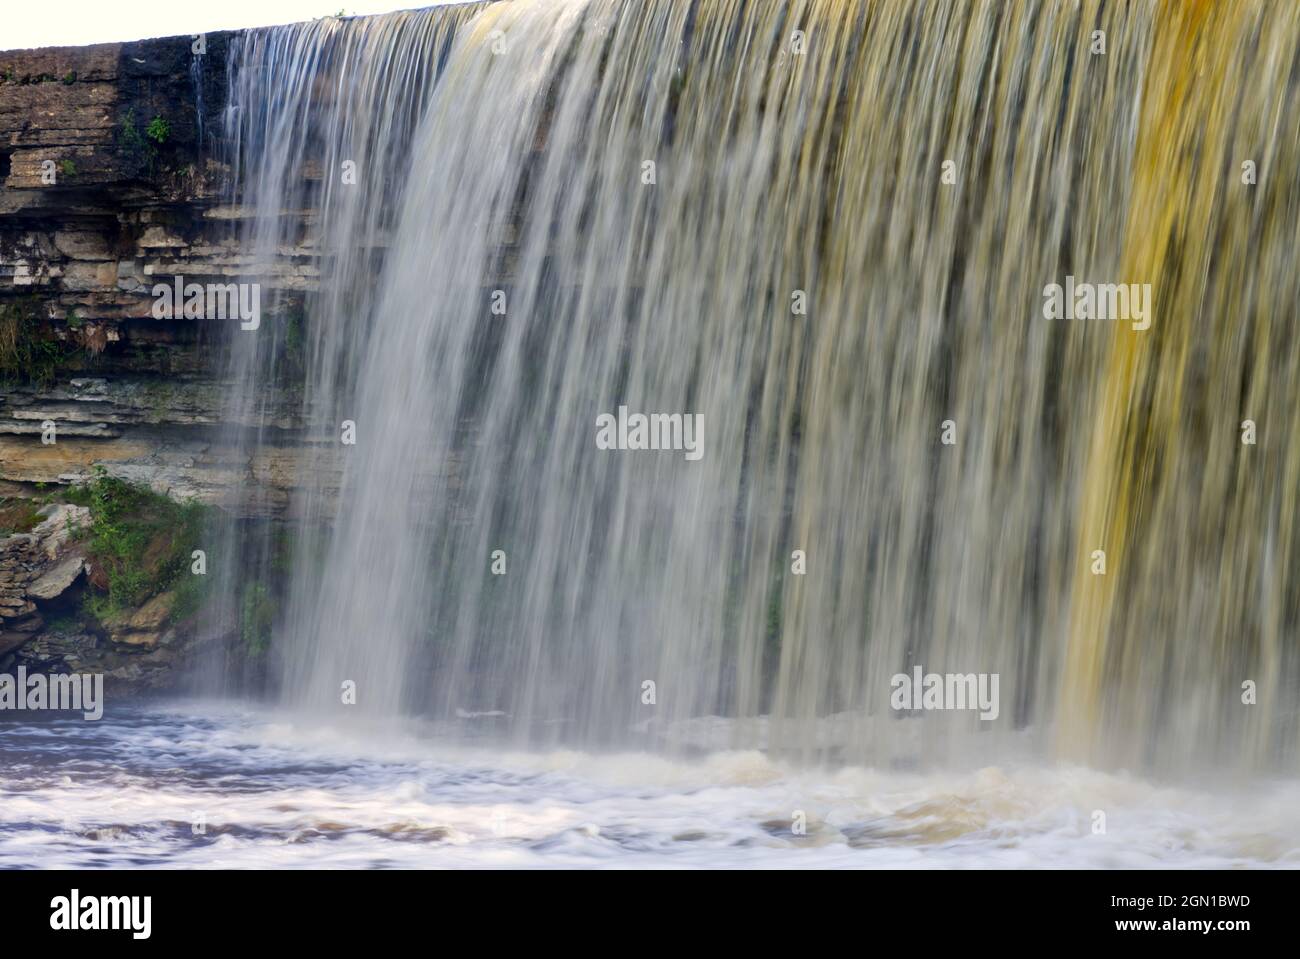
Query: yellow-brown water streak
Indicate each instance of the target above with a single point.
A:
(1195, 524)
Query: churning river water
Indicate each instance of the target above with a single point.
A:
(199, 784)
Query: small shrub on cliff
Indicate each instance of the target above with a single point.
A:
(28, 353)
(137, 150)
(158, 130)
(141, 540)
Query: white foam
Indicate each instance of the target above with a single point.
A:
(280, 793)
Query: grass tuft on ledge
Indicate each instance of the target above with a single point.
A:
(141, 540)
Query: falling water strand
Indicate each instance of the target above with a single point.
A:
(317, 133)
(737, 210)
(1200, 529)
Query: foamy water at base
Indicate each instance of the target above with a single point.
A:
(275, 791)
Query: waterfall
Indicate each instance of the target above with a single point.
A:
(824, 229)
(305, 100)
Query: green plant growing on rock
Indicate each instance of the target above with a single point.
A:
(191, 594)
(256, 614)
(294, 335)
(130, 138)
(291, 357)
(283, 546)
(158, 130)
(67, 167)
(64, 624)
(29, 353)
(134, 147)
(141, 540)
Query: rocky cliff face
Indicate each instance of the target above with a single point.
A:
(43, 574)
(37, 566)
(112, 180)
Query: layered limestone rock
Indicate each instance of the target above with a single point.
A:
(37, 566)
(112, 180)
(107, 187)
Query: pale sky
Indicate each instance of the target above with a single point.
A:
(63, 23)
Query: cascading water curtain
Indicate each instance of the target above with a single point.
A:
(831, 236)
(317, 131)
